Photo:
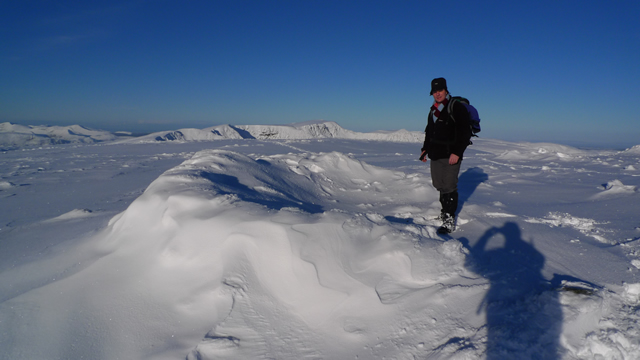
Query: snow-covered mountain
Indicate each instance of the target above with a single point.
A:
(14, 136)
(297, 131)
(633, 150)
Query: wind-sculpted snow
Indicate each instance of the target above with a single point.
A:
(325, 249)
(253, 251)
(542, 151)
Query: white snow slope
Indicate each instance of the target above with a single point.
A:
(318, 249)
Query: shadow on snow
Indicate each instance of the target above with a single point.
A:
(523, 312)
(468, 182)
(230, 185)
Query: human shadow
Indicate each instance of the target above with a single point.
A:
(523, 312)
(468, 182)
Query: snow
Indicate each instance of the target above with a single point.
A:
(14, 136)
(310, 241)
(297, 131)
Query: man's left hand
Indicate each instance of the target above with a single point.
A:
(453, 159)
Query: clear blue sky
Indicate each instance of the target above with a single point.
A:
(559, 71)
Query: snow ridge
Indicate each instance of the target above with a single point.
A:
(13, 136)
(229, 229)
(298, 131)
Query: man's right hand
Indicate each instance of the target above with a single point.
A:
(423, 156)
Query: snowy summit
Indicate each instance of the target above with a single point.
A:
(311, 241)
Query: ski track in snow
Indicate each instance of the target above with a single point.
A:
(248, 251)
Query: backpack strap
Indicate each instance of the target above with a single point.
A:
(429, 119)
(450, 107)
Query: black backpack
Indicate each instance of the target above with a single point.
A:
(474, 118)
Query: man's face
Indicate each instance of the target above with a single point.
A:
(439, 95)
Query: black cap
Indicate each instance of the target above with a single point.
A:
(438, 84)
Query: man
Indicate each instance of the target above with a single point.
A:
(447, 135)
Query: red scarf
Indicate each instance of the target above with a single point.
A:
(437, 107)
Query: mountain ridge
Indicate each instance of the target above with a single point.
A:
(14, 136)
(296, 131)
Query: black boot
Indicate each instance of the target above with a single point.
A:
(452, 203)
(444, 207)
(448, 224)
(449, 207)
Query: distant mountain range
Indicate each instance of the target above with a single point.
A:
(13, 136)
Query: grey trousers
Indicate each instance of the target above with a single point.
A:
(444, 176)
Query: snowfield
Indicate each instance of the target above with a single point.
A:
(315, 244)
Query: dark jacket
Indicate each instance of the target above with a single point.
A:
(446, 136)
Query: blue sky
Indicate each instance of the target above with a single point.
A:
(557, 71)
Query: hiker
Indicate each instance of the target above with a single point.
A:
(446, 138)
